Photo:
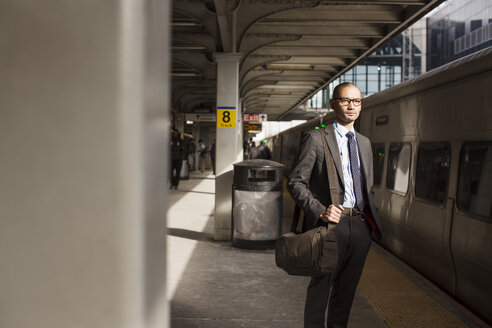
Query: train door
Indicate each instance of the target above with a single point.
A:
(378, 190)
(393, 201)
(430, 214)
(471, 238)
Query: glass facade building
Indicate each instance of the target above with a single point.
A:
(455, 29)
(460, 28)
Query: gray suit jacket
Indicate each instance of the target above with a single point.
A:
(308, 181)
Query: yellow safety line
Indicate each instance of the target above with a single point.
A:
(399, 301)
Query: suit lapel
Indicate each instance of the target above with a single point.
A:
(365, 155)
(333, 146)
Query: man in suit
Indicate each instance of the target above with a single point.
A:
(355, 216)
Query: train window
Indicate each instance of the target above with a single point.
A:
(398, 167)
(378, 162)
(475, 179)
(431, 178)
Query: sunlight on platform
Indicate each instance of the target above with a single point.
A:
(191, 207)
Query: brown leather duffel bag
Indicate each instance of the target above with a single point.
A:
(312, 253)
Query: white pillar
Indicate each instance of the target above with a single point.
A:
(228, 140)
(83, 128)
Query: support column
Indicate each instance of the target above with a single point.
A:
(228, 141)
(83, 133)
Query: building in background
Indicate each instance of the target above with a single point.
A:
(455, 29)
(460, 28)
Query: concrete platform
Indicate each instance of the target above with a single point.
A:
(213, 284)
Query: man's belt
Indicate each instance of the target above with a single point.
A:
(351, 211)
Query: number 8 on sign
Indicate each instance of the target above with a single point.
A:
(226, 118)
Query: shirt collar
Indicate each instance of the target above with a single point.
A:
(341, 130)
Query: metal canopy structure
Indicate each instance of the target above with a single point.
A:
(289, 49)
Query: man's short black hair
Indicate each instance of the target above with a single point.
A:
(200, 140)
(336, 91)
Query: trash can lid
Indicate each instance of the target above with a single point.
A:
(258, 163)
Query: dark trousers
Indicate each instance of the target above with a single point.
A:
(353, 242)
(175, 171)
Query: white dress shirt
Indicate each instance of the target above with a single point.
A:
(342, 141)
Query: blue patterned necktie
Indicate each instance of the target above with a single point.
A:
(354, 167)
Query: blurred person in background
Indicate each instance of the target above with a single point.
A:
(177, 150)
(212, 156)
(202, 151)
(254, 152)
(265, 152)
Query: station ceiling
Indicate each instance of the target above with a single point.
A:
(289, 49)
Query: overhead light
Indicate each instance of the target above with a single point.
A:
(307, 83)
(187, 48)
(281, 86)
(275, 97)
(289, 66)
(184, 22)
(189, 122)
(185, 74)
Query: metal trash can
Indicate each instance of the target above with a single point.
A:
(257, 203)
(185, 170)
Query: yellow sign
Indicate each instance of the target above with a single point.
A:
(226, 118)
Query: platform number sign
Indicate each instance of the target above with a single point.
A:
(226, 117)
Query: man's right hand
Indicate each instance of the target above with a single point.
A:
(332, 214)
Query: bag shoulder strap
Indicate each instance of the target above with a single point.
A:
(330, 169)
(332, 176)
(295, 219)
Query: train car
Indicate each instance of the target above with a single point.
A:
(432, 151)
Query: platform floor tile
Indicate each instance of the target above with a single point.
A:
(400, 301)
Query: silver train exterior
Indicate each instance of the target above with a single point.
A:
(432, 147)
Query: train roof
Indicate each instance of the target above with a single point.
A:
(467, 66)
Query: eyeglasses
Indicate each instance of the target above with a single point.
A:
(347, 101)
